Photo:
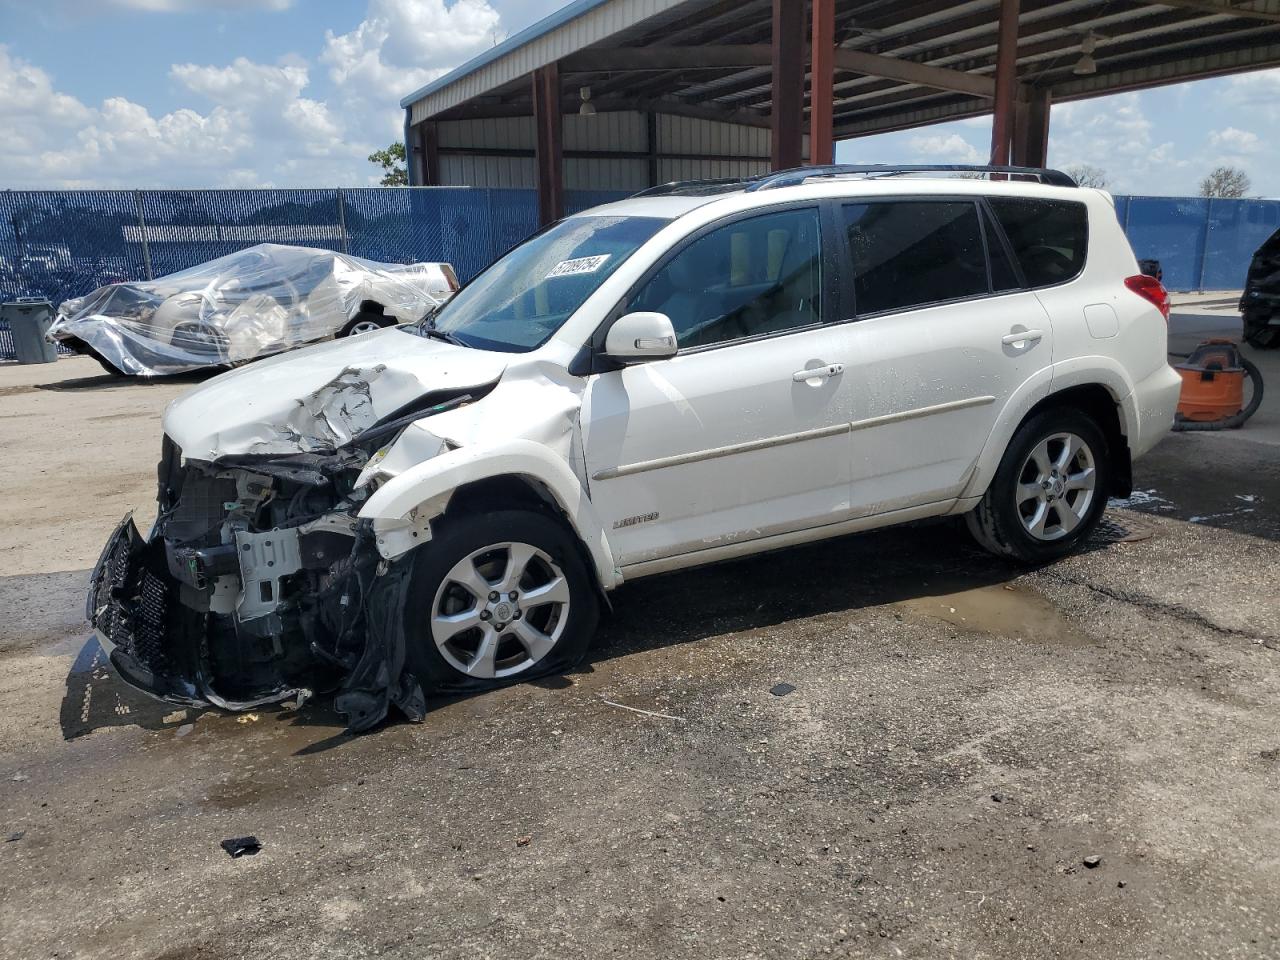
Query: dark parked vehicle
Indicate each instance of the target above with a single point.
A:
(1261, 301)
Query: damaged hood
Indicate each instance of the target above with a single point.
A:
(320, 397)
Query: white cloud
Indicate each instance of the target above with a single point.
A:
(1115, 135)
(400, 46)
(241, 123)
(948, 148)
(1233, 141)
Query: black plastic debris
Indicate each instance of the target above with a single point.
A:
(241, 846)
(782, 689)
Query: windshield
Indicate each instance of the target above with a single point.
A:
(522, 299)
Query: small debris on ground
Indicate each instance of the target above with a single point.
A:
(523, 841)
(183, 730)
(998, 797)
(1120, 884)
(1092, 861)
(16, 835)
(22, 777)
(241, 846)
(1272, 754)
(781, 689)
(247, 718)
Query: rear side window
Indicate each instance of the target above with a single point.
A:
(1049, 237)
(908, 253)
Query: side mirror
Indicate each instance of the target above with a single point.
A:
(640, 336)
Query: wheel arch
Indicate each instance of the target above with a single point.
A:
(482, 477)
(1106, 397)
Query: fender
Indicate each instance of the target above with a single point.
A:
(1044, 383)
(423, 492)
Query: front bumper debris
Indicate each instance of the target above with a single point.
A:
(257, 585)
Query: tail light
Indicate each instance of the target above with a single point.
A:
(1151, 290)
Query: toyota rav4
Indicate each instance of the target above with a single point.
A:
(703, 371)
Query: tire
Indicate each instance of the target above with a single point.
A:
(1258, 331)
(1005, 520)
(449, 656)
(365, 322)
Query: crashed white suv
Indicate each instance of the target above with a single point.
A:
(703, 371)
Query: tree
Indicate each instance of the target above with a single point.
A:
(1229, 182)
(1087, 175)
(392, 162)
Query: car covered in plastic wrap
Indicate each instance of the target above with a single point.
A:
(249, 304)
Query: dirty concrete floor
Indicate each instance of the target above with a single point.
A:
(961, 736)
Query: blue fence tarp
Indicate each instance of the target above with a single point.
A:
(64, 243)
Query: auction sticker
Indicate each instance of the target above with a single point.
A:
(568, 268)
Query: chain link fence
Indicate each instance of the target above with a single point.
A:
(58, 244)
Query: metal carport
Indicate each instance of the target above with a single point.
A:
(684, 89)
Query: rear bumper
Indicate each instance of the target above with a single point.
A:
(1151, 408)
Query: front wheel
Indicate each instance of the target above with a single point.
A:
(1259, 332)
(495, 599)
(1049, 490)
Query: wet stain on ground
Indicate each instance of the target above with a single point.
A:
(1004, 611)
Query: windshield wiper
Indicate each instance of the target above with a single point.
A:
(442, 335)
(427, 328)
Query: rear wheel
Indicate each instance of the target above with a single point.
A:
(1049, 490)
(495, 599)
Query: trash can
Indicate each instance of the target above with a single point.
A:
(29, 319)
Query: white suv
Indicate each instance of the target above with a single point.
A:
(703, 371)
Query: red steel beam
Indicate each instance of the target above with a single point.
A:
(548, 157)
(1006, 81)
(786, 121)
(822, 81)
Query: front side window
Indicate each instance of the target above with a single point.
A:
(1049, 237)
(748, 278)
(909, 253)
(522, 299)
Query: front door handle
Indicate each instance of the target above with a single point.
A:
(1022, 336)
(818, 373)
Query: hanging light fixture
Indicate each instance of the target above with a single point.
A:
(588, 109)
(1086, 65)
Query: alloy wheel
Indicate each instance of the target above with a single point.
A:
(500, 610)
(1056, 486)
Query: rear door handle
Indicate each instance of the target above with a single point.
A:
(818, 373)
(1024, 336)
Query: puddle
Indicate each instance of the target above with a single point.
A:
(1002, 610)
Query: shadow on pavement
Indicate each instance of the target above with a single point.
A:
(850, 573)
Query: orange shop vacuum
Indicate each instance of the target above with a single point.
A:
(1213, 388)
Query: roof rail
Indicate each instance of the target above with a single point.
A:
(797, 175)
(680, 186)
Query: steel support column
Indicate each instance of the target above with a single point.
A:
(548, 157)
(786, 120)
(1031, 131)
(429, 145)
(822, 81)
(1002, 121)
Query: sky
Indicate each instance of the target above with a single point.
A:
(285, 93)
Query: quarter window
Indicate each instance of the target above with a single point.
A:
(1049, 237)
(908, 253)
(749, 278)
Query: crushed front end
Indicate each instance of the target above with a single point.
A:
(257, 584)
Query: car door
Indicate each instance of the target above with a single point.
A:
(944, 337)
(743, 433)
